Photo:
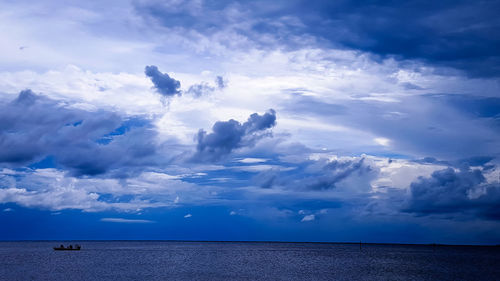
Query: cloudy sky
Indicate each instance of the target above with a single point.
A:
(293, 120)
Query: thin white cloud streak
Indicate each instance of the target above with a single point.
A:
(308, 218)
(122, 220)
(252, 160)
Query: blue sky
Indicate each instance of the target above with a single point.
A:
(234, 120)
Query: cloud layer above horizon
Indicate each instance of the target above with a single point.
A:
(295, 117)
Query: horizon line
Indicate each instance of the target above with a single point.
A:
(255, 241)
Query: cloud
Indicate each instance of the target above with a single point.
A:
(56, 189)
(187, 216)
(308, 218)
(437, 33)
(451, 191)
(461, 35)
(25, 98)
(121, 220)
(473, 106)
(203, 88)
(229, 135)
(163, 83)
(250, 160)
(321, 174)
(198, 90)
(37, 130)
(439, 125)
(219, 81)
(57, 199)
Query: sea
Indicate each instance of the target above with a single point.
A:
(175, 260)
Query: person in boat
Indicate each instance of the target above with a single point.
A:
(70, 247)
(62, 246)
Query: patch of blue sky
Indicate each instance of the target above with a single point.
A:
(125, 126)
(47, 162)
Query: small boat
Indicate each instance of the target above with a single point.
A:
(69, 248)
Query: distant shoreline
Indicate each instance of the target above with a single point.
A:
(263, 242)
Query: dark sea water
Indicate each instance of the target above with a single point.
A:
(154, 260)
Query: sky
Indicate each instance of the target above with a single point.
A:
(342, 121)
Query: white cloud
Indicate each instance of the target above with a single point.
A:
(188, 216)
(400, 173)
(323, 211)
(251, 160)
(121, 220)
(382, 141)
(55, 190)
(308, 218)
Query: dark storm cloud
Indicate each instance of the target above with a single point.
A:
(35, 128)
(451, 191)
(163, 83)
(322, 174)
(460, 34)
(229, 135)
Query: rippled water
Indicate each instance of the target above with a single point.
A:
(154, 260)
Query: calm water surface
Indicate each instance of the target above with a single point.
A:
(153, 260)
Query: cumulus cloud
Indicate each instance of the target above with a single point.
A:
(34, 128)
(229, 135)
(452, 191)
(163, 83)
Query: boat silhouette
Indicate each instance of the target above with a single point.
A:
(69, 248)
